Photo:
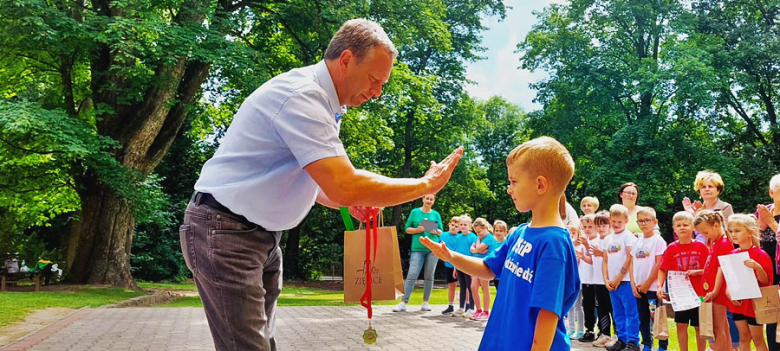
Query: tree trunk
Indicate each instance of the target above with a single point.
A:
(104, 237)
(291, 253)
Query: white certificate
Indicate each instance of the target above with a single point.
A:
(741, 279)
(681, 292)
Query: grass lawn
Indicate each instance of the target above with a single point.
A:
(16, 305)
(293, 295)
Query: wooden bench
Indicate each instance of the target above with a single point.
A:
(4, 279)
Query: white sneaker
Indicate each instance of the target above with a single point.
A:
(469, 314)
(401, 307)
(602, 341)
(425, 307)
(458, 313)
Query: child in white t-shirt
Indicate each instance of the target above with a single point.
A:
(646, 261)
(616, 266)
(589, 237)
(606, 323)
(575, 319)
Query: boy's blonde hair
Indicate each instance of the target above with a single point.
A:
(647, 211)
(618, 210)
(591, 199)
(574, 229)
(482, 223)
(545, 157)
(590, 218)
(500, 224)
(750, 223)
(601, 217)
(455, 219)
(682, 216)
(711, 176)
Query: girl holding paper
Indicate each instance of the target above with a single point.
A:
(743, 230)
(711, 225)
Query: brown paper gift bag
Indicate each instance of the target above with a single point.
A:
(706, 327)
(661, 324)
(767, 307)
(387, 276)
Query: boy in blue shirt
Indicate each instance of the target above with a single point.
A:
(450, 237)
(537, 263)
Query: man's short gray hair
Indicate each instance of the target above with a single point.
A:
(774, 183)
(360, 36)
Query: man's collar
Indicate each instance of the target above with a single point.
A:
(326, 82)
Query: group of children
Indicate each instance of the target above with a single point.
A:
(479, 243)
(599, 266)
(624, 275)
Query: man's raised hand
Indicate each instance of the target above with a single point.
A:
(439, 250)
(439, 173)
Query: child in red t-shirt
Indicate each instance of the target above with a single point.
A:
(685, 255)
(711, 225)
(743, 230)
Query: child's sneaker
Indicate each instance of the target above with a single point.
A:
(602, 341)
(449, 310)
(587, 337)
(401, 307)
(483, 316)
(570, 334)
(469, 314)
(632, 346)
(425, 307)
(612, 341)
(578, 335)
(475, 315)
(619, 345)
(459, 313)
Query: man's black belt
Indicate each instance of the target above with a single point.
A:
(207, 199)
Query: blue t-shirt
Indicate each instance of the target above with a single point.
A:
(451, 240)
(491, 243)
(464, 242)
(539, 271)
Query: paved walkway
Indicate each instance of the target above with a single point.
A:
(299, 328)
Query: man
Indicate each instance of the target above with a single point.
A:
(280, 155)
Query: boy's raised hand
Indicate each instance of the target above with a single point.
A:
(439, 250)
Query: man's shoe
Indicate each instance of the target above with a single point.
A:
(587, 337)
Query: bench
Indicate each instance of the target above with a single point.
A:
(20, 277)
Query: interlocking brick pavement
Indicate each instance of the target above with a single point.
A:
(298, 328)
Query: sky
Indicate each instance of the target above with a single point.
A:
(499, 73)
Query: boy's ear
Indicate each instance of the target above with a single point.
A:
(771, 193)
(542, 185)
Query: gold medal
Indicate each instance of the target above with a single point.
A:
(706, 286)
(369, 336)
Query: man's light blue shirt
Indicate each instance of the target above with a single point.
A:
(289, 122)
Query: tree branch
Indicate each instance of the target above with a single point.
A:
(31, 151)
(734, 103)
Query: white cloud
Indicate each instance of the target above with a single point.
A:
(499, 74)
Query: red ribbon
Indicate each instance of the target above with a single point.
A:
(371, 223)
